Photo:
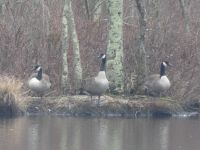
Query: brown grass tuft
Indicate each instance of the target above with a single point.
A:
(10, 84)
(11, 93)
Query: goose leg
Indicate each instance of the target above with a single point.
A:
(147, 92)
(41, 97)
(98, 103)
(91, 98)
(160, 95)
(44, 101)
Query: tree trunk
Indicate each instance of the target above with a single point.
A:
(75, 44)
(65, 37)
(185, 7)
(98, 9)
(115, 46)
(87, 8)
(141, 52)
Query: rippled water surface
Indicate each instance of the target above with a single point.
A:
(62, 133)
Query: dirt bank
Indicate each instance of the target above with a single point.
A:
(138, 106)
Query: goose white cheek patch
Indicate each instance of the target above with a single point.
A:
(164, 64)
(104, 56)
(38, 69)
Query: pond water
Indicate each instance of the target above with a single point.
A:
(66, 133)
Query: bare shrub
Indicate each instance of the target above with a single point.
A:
(30, 32)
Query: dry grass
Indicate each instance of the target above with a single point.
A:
(13, 99)
(11, 93)
(79, 105)
(10, 84)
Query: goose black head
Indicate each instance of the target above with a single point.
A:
(167, 64)
(38, 70)
(103, 61)
(163, 66)
(102, 56)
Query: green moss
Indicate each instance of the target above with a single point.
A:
(65, 37)
(115, 50)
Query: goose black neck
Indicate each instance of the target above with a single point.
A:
(162, 70)
(103, 65)
(39, 74)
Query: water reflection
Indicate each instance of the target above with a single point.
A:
(164, 135)
(57, 133)
(33, 137)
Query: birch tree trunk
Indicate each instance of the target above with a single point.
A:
(65, 83)
(115, 46)
(185, 7)
(70, 31)
(95, 9)
(141, 52)
(76, 50)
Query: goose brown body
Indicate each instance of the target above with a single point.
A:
(157, 83)
(98, 85)
(39, 83)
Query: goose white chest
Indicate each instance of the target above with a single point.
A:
(37, 85)
(102, 81)
(34, 83)
(164, 83)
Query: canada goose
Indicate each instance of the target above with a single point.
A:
(156, 84)
(97, 86)
(39, 82)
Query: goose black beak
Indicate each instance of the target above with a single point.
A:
(33, 68)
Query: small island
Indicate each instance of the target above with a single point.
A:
(13, 102)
